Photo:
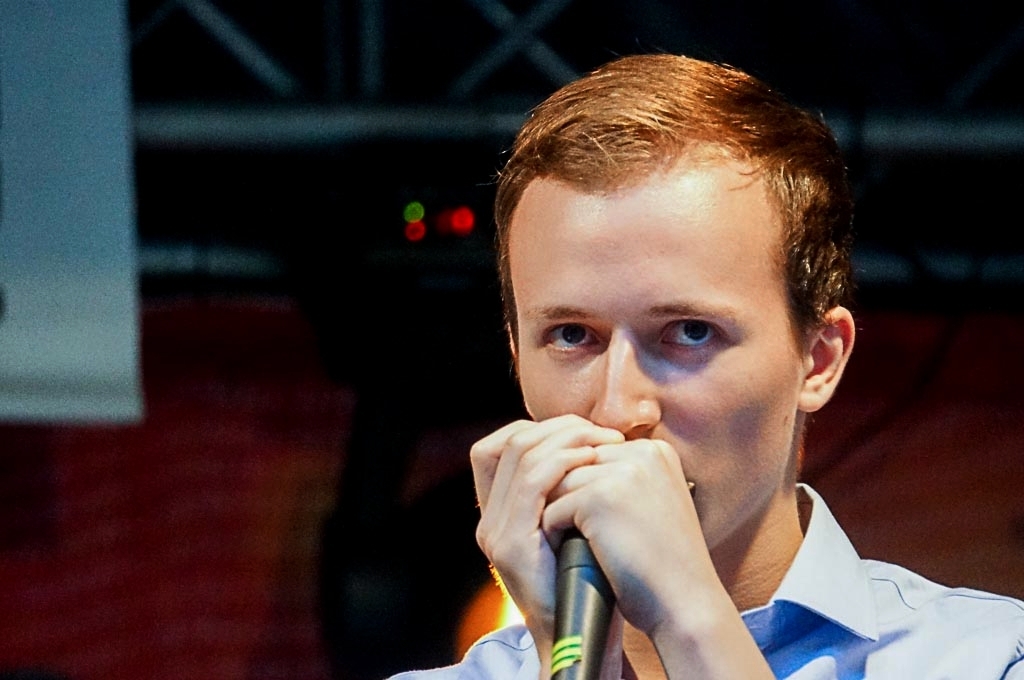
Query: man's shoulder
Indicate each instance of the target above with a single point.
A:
(907, 591)
(504, 654)
(934, 630)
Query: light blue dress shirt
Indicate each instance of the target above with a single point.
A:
(834, 617)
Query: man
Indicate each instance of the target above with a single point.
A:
(674, 252)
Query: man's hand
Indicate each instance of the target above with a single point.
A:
(515, 469)
(631, 500)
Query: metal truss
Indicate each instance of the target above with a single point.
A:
(242, 47)
(298, 113)
(351, 95)
(518, 36)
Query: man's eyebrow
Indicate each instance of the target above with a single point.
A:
(686, 309)
(557, 312)
(676, 309)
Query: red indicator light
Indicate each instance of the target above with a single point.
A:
(462, 221)
(415, 231)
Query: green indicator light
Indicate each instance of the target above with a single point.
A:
(414, 212)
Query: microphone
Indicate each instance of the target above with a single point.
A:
(583, 611)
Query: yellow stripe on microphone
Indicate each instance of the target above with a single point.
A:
(566, 652)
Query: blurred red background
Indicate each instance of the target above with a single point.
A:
(188, 546)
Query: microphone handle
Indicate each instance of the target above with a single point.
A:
(583, 612)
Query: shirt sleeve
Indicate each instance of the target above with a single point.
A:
(506, 654)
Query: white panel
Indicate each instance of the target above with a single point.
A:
(69, 332)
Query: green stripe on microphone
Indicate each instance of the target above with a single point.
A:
(566, 652)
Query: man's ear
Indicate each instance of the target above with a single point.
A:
(827, 351)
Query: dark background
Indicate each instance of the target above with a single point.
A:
(297, 502)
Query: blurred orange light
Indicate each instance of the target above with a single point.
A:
(489, 610)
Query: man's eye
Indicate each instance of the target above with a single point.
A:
(569, 335)
(690, 333)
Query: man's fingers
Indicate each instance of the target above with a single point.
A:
(485, 454)
(497, 458)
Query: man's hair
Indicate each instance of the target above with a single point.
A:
(641, 114)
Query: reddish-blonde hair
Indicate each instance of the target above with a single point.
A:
(640, 114)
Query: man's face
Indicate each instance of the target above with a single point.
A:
(659, 310)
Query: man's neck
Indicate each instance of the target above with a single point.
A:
(752, 567)
(642, 661)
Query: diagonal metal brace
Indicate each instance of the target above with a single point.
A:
(519, 36)
(232, 38)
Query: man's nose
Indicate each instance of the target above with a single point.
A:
(627, 396)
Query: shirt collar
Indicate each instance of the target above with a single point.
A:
(827, 576)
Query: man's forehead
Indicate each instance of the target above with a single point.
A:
(723, 219)
(695, 180)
